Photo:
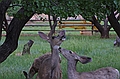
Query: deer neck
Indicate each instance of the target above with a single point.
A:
(54, 61)
(55, 57)
(71, 69)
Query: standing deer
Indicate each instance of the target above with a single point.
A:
(73, 58)
(48, 65)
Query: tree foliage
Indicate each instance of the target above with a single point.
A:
(65, 8)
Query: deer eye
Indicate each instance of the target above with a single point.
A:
(53, 37)
(70, 52)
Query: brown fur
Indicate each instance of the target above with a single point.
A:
(41, 64)
(48, 67)
(102, 73)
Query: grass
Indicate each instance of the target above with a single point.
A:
(101, 51)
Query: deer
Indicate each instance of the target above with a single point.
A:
(117, 42)
(73, 58)
(47, 66)
(35, 66)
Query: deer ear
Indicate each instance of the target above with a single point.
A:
(25, 74)
(62, 33)
(43, 36)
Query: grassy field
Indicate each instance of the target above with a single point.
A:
(102, 52)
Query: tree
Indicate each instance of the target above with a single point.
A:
(104, 10)
(103, 29)
(55, 8)
(13, 31)
(26, 11)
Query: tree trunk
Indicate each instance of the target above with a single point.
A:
(105, 33)
(4, 4)
(13, 32)
(27, 46)
(114, 23)
(104, 30)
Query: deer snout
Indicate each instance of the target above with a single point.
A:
(56, 47)
(115, 43)
(59, 49)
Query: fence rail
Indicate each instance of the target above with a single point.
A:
(77, 25)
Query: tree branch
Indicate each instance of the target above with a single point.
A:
(13, 32)
(4, 4)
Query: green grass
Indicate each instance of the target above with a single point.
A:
(102, 52)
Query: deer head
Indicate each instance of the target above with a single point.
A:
(117, 42)
(54, 40)
(72, 56)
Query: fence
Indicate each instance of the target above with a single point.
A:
(76, 25)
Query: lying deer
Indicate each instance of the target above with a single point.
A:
(73, 58)
(117, 42)
(35, 66)
(42, 65)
